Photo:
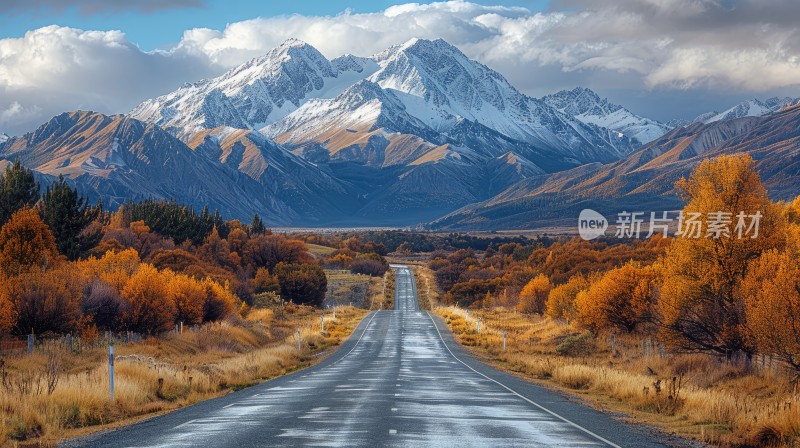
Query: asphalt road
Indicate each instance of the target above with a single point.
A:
(400, 380)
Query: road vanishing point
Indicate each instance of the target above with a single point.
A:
(399, 381)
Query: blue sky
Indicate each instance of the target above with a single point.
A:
(162, 28)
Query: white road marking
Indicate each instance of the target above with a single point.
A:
(558, 416)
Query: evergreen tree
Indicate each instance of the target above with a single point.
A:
(68, 215)
(18, 189)
(257, 226)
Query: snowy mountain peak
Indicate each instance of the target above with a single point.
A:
(428, 88)
(586, 105)
(3, 137)
(749, 108)
(255, 93)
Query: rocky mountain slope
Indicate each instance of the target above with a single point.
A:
(587, 106)
(644, 181)
(408, 135)
(255, 93)
(118, 158)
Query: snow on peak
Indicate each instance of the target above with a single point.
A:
(256, 93)
(749, 108)
(586, 105)
(3, 137)
(428, 85)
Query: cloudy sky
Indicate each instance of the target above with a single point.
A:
(660, 58)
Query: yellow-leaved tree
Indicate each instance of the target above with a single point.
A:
(189, 296)
(621, 299)
(151, 310)
(561, 300)
(771, 292)
(26, 243)
(701, 306)
(533, 296)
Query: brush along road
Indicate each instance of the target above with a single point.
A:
(400, 380)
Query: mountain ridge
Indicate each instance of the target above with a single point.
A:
(416, 133)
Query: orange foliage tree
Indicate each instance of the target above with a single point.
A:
(44, 301)
(772, 305)
(26, 242)
(189, 297)
(533, 297)
(151, 309)
(700, 304)
(219, 302)
(561, 300)
(8, 315)
(622, 298)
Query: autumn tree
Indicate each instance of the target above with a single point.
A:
(771, 292)
(215, 250)
(369, 264)
(114, 268)
(104, 305)
(265, 282)
(237, 238)
(151, 309)
(700, 305)
(266, 251)
(189, 297)
(533, 297)
(561, 300)
(45, 301)
(26, 243)
(18, 189)
(8, 315)
(68, 215)
(621, 299)
(303, 283)
(218, 303)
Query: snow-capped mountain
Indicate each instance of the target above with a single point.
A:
(749, 108)
(432, 90)
(432, 80)
(3, 137)
(255, 93)
(401, 137)
(587, 106)
(442, 87)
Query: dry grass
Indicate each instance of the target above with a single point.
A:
(318, 251)
(427, 291)
(382, 292)
(346, 288)
(160, 374)
(694, 396)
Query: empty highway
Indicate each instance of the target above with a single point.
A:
(400, 380)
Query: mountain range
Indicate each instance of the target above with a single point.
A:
(417, 133)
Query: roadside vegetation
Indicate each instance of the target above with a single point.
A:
(61, 391)
(706, 334)
(196, 305)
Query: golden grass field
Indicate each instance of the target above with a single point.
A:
(346, 288)
(158, 374)
(690, 395)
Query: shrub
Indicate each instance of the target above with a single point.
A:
(303, 283)
(580, 345)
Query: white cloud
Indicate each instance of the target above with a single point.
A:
(739, 46)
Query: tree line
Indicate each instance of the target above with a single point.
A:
(70, 266)
(723, 296)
